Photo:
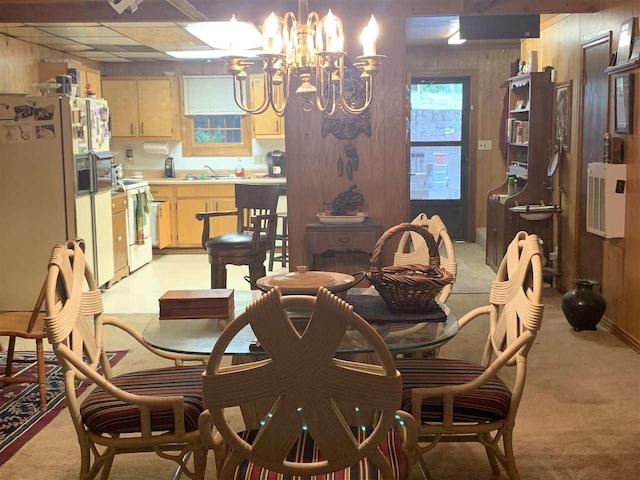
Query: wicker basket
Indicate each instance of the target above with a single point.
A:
(408, 288)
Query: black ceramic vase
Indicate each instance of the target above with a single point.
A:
(583, 306)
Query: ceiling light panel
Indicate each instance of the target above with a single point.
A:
(217, 34)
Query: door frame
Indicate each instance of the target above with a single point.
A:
(605, 37)
(473, 76)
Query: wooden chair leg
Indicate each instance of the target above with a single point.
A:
(42, 379)
(256, 270)
(10, 352)
(218, 276)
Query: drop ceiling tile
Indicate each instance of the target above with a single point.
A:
(95, 54)
(110, 60)
(51, 41)
(73, 31)
(24, 32)
(138, 24)
(104, 40)
(144, 55)
(171, 37)
(73, 48)
(79, 24)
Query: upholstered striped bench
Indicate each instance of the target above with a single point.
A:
(102, 413)
(485, 404)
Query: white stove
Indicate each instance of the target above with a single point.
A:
(140, 250)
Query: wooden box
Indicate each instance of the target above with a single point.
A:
(211, 303)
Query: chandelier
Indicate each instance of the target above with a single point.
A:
(309, 48)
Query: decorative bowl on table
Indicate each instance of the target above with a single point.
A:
(329, 219)
(305, 282)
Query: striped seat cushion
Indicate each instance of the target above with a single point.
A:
(391, 448)
(103, 413)
(488, 403)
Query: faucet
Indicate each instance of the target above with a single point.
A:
(215, 174)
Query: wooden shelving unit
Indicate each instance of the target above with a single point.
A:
(528, 154)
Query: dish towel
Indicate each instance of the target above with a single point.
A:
(143, 206)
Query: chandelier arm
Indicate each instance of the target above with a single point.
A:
(278, 109)
(242, 105)
(368, 96)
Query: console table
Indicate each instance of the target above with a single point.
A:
(359, 237)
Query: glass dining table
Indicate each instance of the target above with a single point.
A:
(401, 333)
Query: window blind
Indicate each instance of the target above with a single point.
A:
(210, 95)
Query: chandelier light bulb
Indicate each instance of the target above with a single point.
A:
(331, 32)
(272, 36)
(368, 38)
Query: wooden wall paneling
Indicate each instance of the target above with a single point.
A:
(19, 64)
(489, 68)
(560, 46)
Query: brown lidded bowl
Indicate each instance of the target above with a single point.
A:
(304, 282)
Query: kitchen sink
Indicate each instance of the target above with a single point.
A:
(209, 177)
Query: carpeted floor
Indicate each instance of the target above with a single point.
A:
(20, 414)
(579, 418)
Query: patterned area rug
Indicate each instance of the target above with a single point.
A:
(20, 414)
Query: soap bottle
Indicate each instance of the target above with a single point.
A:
(239, 169)
(511, 185)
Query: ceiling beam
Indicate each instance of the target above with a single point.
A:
(477, 6)
(65, 11)
(189, 10)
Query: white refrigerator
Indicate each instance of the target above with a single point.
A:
(42, 141)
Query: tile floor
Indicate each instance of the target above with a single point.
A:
(139, 292)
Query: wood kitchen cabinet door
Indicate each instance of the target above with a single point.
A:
(155, 108)
(122, 97)
(164, 225)
(267, 124)
(228, 223)
(190, 229)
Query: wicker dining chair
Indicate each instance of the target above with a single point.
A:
(143, 411)
(306, 412)
(461, 401)
(419, 252)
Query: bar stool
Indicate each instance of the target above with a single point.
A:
(281, 236)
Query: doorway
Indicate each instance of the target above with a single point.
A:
(439, 150)
(595, 94)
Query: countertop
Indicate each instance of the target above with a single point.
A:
(217, 181)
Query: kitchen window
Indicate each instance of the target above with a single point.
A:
(213, 125)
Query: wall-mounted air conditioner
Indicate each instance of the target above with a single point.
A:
(606, 184)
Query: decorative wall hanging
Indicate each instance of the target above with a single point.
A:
(563, 99)
(342, 124)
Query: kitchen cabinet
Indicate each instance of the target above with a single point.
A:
(88, 75)
(267, 124)
(120, 248)
(202, 198)
(528, 153)
(143, 107)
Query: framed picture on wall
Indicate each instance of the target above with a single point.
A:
(624, 41)
(623, 88)
(562, 106)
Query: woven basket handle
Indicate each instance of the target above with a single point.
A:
(376, 256)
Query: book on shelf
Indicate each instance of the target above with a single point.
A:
(519, 132)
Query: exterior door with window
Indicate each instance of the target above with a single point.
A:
(439, 150)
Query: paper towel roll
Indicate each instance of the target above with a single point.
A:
(159, 148)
